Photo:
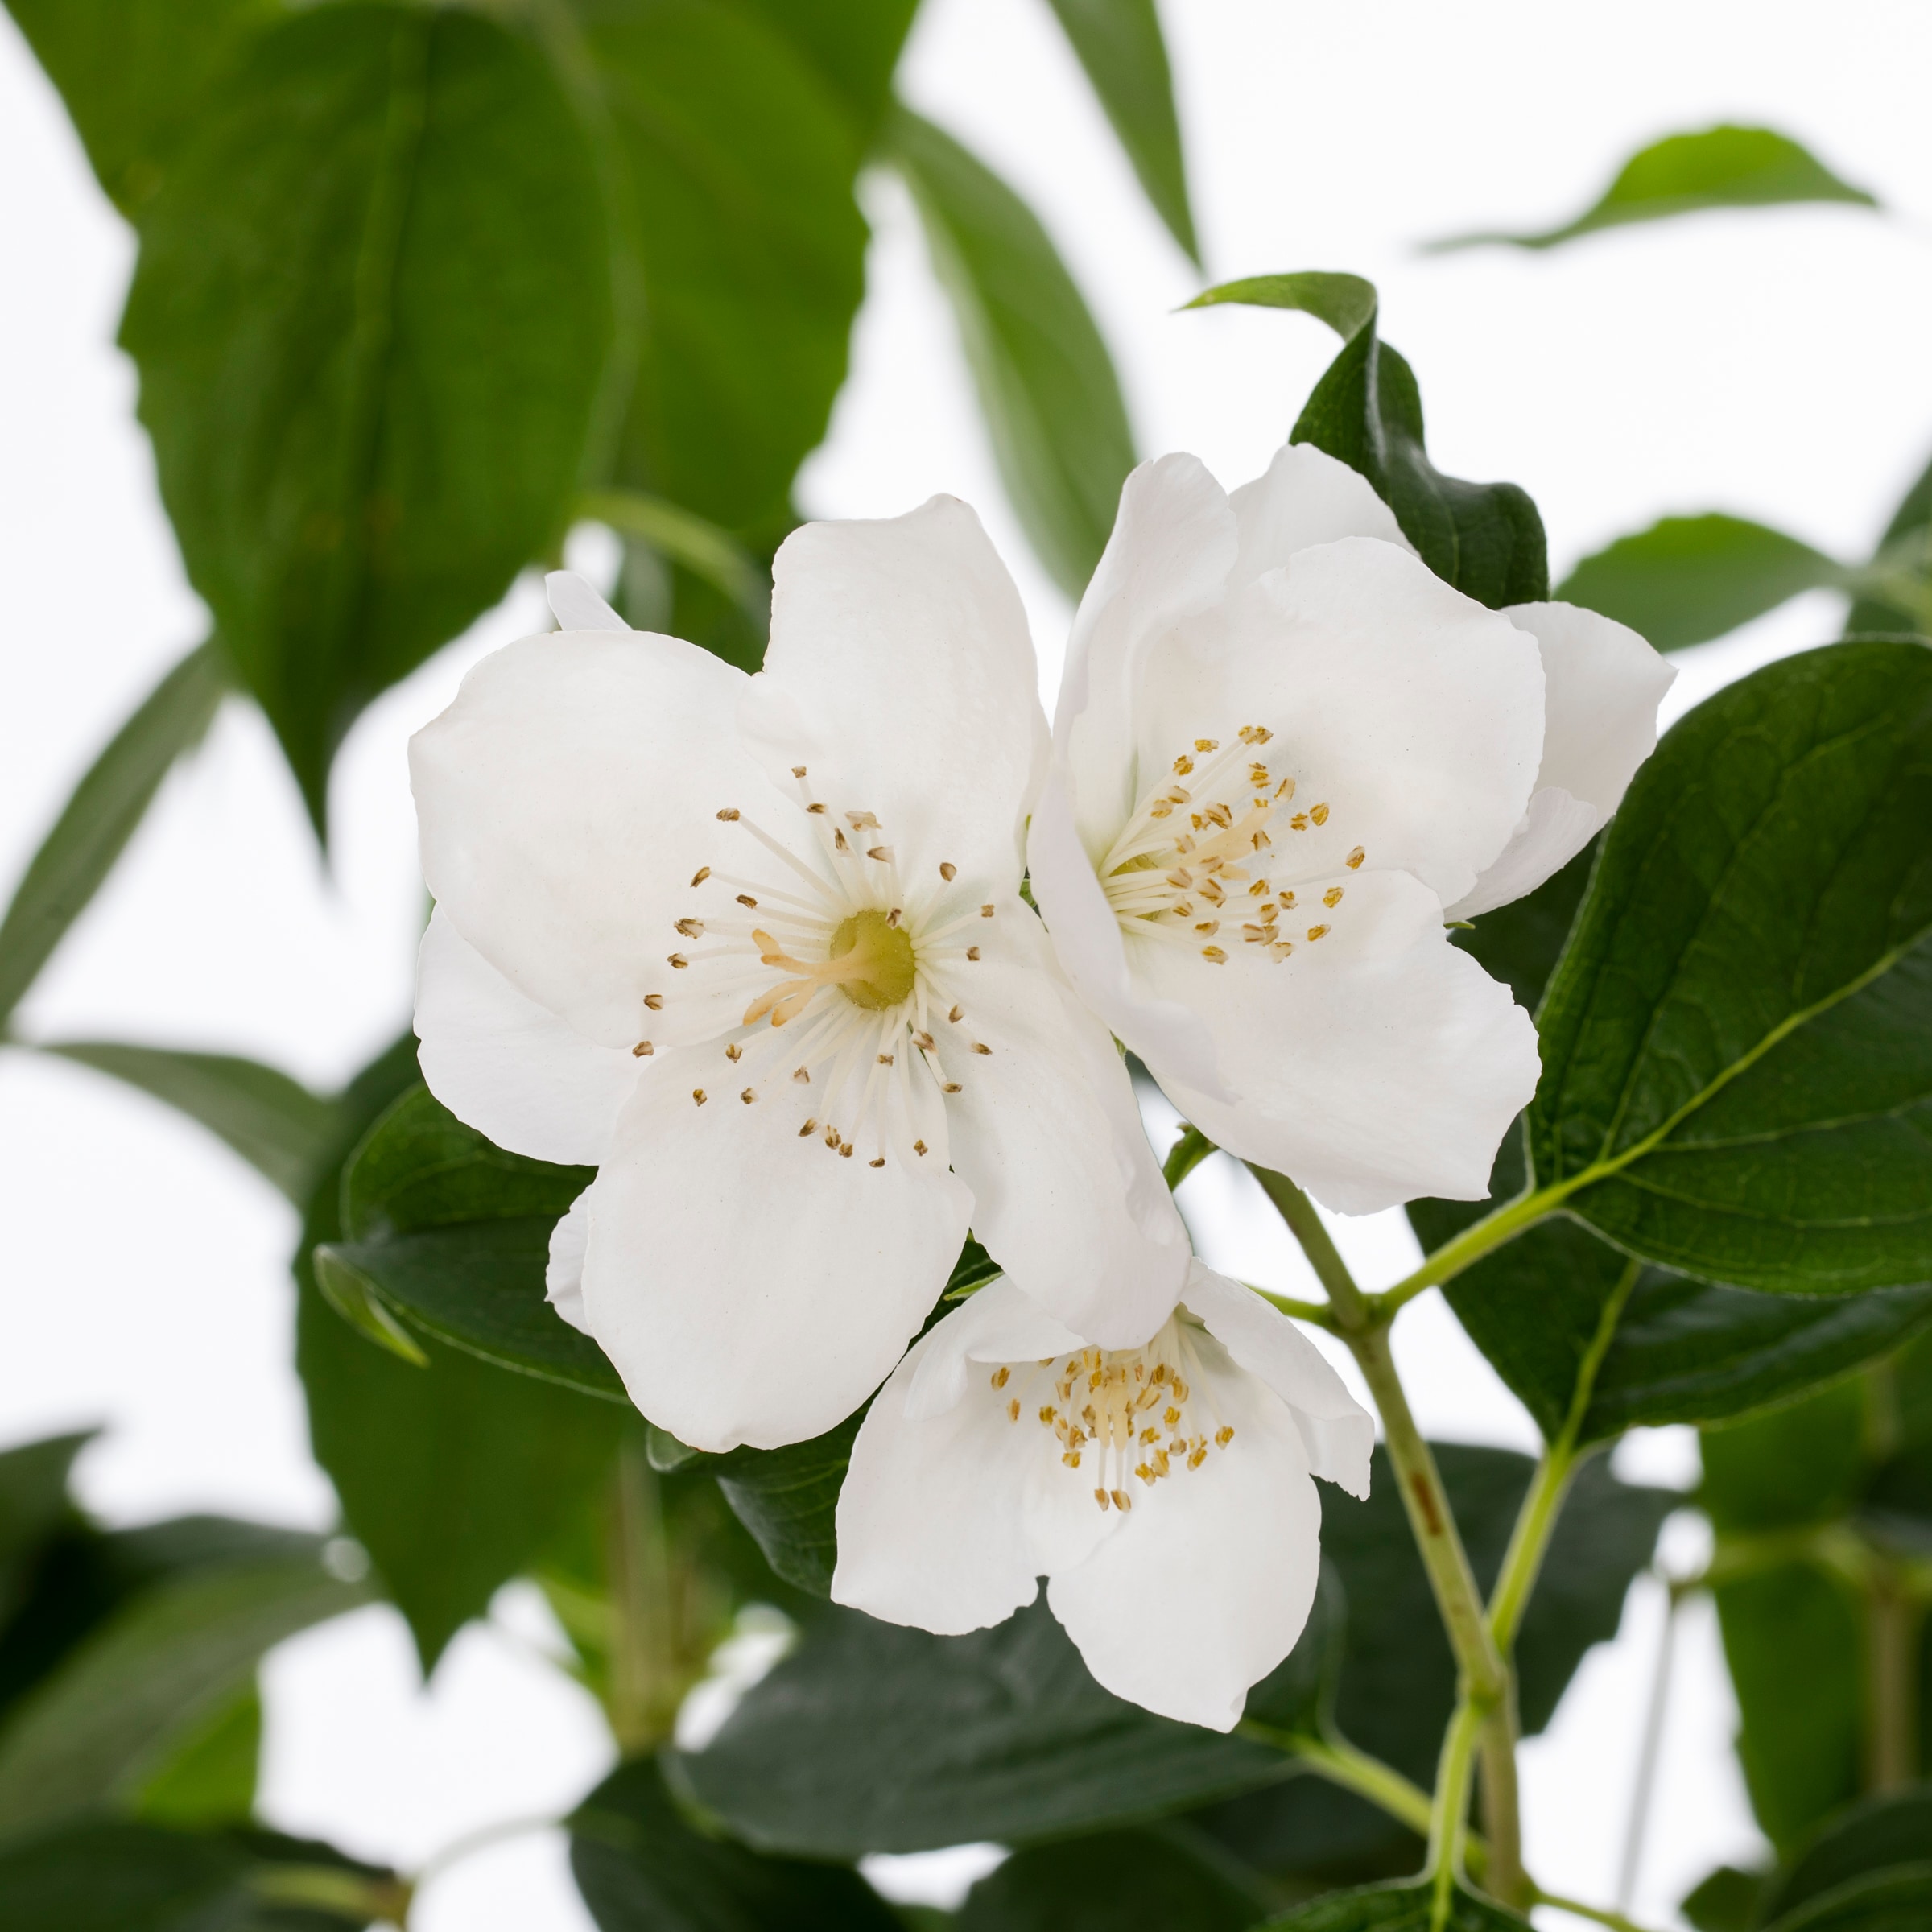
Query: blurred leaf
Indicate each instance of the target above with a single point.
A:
(100, 818)
(702, 548)
(210, 1780)
(1046, 384)
(1800, 1464)
(1119, 44)
(1396, 1909)
(1719, 167)
(1688, 578)
(1896, 1900)
(275, 1123)
(1727, 1900)
(873, 1737)
(452, 1235)
(642, 1867)
(111, 1876)
(136, 74)
(1168, 1877)
(33, 1505)
(371, 317)
(1905, 551)
(1737, 1044)
(1485, 539)
(137, 1690)
(1894, 1828)
(455, 1477)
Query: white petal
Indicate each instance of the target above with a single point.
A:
(1555, 829)
(507, 1067)
(998, 1323)
(1304, 498)
(575, 606)
(1336, 1431)
(1376, 1064)
(1067, 1197)
(563, 1274)
(750, 1285)
(565, 801)
(900, 671)
(1409, 711)
(1167, 562)
(1087, 939)
(1206, 1586)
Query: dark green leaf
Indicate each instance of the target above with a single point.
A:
(33, 1506)
(642, 1867)
(1168, 1877)
(275, 1123)
(210, 1780)
(452, 1235)
(871, 1737)
(1719, 167)
(1725, 1901)
(1894, 1828)
(1800, 1464)
(786, 1498)
(1896, 1900)
(1395, 1909)
(1486, 538)
(1687, 578)
(853, 45)
(100, 818)
(1119, 44)
(454, 1477)
(1905, 554)
(111, 1876)
(1046, 384)
(1737, 1055)
(371, 317)
(699, 548)
(143, 1686)
(135, 74)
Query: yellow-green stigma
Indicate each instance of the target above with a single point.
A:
(874, 944)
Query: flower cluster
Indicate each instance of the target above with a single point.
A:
(758, 949)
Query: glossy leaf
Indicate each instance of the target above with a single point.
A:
(1737, 1055)
(128, 1698)
(642, 1867)
(135, 75)
(274, 1122)
(100, 818)
(1396, 1909)
(1047, 389)
(788, 1498)
(452, 1235)
(1119, 44)
(1892, 1828)
(371, 318)
(1486, 538)
(455, 1477)
(1168, 1876)
(116, 1876)
(1904, 558)
(1723, 167)
(1687, 578)
(1896, 1900)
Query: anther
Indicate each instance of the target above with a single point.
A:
(838, 840)
(1013, 1410)
(1223, 1437)
(1258, 889)
(745, 898)
(861, 821)
(972, 952)
(957, 1014)
(1002, 1377)
(845, 1150)
(1319, 813)
(798, 771)
(1099, 1495)
(980, 1046)
(654, 1000)
(815, 807)
(749, 1095)
(879, 1162)
(1354, 859)
(882, 853)
(806, 1132)
(1182, 766)
(950, 1087)
(893, 917)
(1214, 956)
(919, 1146)
(884, 1059)
(948, 871)
(802, 1078)
(734, 1053)
(678, 960)
(691, 929)
(729, 813)
(1206, 744)
(985, 912)
(702, 873)
(925, 1040)
(1332, 897)
(1122, 1502)
(697, 1093)
(1316, 932)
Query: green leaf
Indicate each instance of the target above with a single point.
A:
(1396, 1909)
(33, 1505)
(452, 1235)
(788, 1499)
(1726, 1901)
(114, 1877)
(151, 1679)
(1736, 1054)
(1685, 580)
(700, 548)
(456, 1477)
(100, 818)
(135, 74)
(1170, 1876)
(1719, 167)
(1892, 1828)
(371, 317)
(872, 1737)
(275, 1123)
(210, 1780)
(1896, 1900)
(1119, 44)
(1485, 539)
(1902, 567)
(1046, 384)
(642, 1867)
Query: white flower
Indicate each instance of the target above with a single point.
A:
(1285, 753)
(754, 946)
(1163, 1490)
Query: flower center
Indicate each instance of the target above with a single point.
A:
(1185, 866)
(878, 954)
(1123, 1411)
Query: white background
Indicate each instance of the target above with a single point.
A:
(1771, 364)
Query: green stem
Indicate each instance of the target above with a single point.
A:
(1451, 1811)
(1350, 1305)
(1615, 1921)
(1320, 1313)
(1500, 1224)
(1338, 1761)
